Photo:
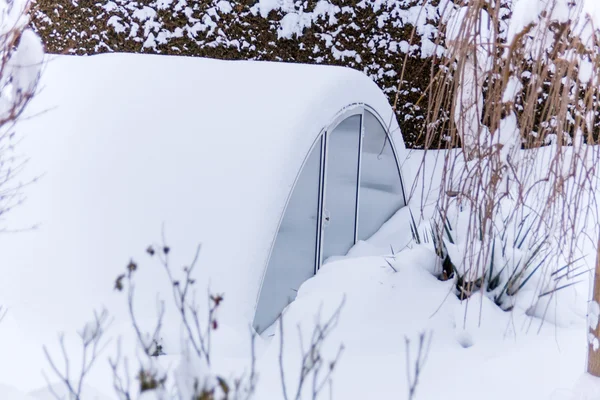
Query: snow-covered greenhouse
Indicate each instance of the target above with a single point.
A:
(271, 167)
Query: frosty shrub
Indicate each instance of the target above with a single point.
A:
(193, 378)
(517, 188)
(21, 57)
(138, 369)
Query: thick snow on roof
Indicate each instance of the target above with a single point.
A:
(127, 143)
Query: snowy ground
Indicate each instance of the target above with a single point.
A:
(508, 356)
(502, 355)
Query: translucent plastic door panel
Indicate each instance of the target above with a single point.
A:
(341, 181)
(294, 253)
(381, 193)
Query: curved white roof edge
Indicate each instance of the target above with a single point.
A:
(209, 148)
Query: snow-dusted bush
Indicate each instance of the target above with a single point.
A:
(519, 191)
(141, 351)
(21, 57)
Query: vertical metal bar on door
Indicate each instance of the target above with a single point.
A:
(321, 202)
(358, 170)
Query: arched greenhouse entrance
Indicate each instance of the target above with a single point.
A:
(349, 186)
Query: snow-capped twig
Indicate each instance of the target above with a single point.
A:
(122, 385)
(419, 362)
(21, 58)
(92, 345)
(312, 359)
(198, 335)
(149, 343)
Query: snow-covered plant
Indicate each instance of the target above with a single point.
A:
(21, 57)
(195, 375)
(512, 265)
(521, 77)
(202, 383)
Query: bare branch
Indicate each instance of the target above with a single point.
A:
(92, 344)
(422, 353)
(312, 360)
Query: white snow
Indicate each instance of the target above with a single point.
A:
(204, 162)
(593, 315)
(100, 201)
(199, 124)
(586, 71)
(265, 6)
(513, 88)
(114, 21)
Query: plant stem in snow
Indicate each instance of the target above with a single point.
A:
(593, 367)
